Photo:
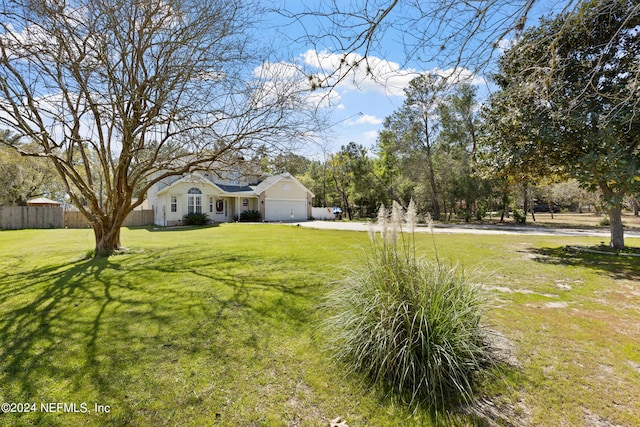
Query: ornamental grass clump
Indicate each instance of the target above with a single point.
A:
(410, 324)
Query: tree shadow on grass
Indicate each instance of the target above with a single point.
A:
(36, 323)
(52, 322)
(619, 266)
(87, 331)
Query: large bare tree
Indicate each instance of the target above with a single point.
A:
(120, 94)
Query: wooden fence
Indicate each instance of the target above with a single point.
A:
(19, 217)
(74, 219)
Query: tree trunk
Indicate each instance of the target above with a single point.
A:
(107, 236)
(347, 205)
(505, 205)
(106, 225)
(525, 204)
(617, 231)
(430, 172)
(434, 190)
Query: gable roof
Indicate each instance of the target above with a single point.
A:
(234, 190)
(196, 178)
(274, 179)
(187, 178)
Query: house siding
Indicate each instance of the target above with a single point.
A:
(163, 214)
(287, 191)
(224, 204)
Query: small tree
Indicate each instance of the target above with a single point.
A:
(23, 178)
(120, 94)
(410, 136)
(459, 136)
(352, 173)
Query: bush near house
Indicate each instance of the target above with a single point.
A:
(195, 219)
(250, 216)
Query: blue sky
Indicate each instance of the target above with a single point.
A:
(359, 104)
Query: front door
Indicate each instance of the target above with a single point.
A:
(224, 210)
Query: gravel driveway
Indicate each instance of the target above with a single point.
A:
(470, 229)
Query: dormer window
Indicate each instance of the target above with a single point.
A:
(234, 177)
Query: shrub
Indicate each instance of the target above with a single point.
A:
(250, 216)
(410, 324)
(195, 219)
(519, 216)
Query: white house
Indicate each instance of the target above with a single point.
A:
(223, 196)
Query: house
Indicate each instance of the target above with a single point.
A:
(223, 196)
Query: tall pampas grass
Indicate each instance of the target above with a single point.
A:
(410, 324)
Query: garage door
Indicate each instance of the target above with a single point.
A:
(281, 210)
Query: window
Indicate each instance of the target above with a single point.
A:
(194, 201)
(234, 176)
(174, 203)
(210, 204)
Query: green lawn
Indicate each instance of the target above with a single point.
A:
(217, 326)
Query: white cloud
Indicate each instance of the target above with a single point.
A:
(354, 72)
(369, 119)
(506, 44)
(370, 136)
(278, 79)
(459, 75)
(278, 71)
(365, 119)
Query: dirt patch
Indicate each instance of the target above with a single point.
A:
(634, 365)
(497, 413)
(594, 420)
(563, 285)
(299, 407)
(502, 349)
(507, 290)
(500, 410)
(556, 305)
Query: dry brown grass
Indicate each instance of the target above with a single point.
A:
(572, 219)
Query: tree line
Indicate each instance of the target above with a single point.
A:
(438, 150)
